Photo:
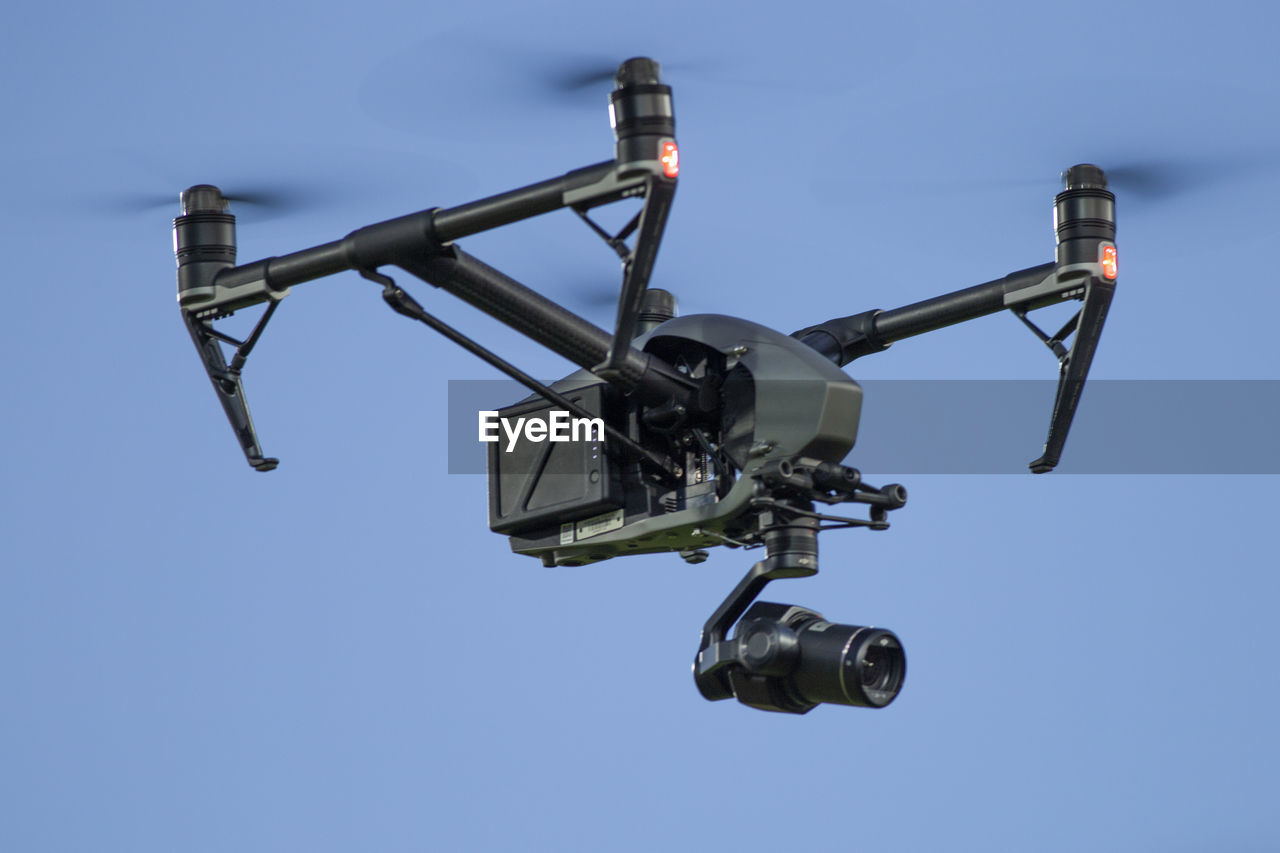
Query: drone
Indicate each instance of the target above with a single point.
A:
(699, 431)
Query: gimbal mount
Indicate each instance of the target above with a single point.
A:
(716, 431)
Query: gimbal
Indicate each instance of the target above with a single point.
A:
(717, 431)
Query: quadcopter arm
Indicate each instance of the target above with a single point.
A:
(405, 237)
(1084, 217)
(211, 286)
(420, 243)
(844, 339)
(645, 165)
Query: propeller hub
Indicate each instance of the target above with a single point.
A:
(657, 306)
(1084, 176)
(203, 198)
(639, 70)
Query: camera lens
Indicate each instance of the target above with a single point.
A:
(881, 668)
(849, 664)
(875, 669)
(824, 661)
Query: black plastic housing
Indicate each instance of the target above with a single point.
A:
(541, 484)
(204, 243)
(641, 112)
(1083, 214)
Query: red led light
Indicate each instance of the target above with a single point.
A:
(1109, 260)
(670, 159)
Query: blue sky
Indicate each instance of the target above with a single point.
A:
(339, 655)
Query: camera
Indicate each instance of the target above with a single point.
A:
(790, 659)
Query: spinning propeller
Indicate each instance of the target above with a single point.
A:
(258, 203)
(1138, 180)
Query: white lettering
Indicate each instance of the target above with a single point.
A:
(512, 434)
(488, 423)
(559, 425)
(593, 427)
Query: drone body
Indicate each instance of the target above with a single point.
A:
(717, 431)
(780, 401)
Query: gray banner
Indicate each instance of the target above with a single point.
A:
(998, 426)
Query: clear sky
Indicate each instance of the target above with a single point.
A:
(339, 655)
